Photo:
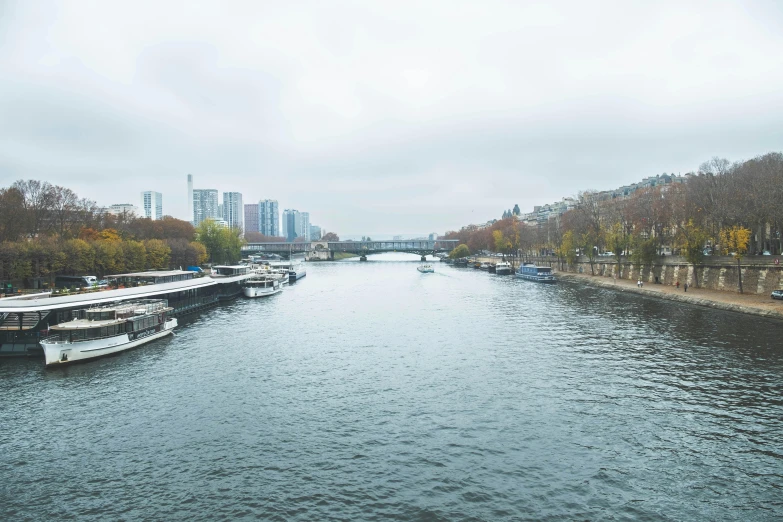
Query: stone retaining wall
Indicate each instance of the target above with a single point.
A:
(757, 278)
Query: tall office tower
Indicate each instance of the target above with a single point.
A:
(305, 224)
(205, 205)
(315, 233)
(151, 204)
(233, 211)
(251, 218)
(190, 196)
(292, 224)
(268, 217)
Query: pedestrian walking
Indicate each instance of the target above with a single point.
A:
(686, 287)
(678, 284)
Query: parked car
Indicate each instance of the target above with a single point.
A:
(766, 253)
(777, 294)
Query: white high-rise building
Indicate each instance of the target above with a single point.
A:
(233, 210)
(151, 204)
(268, 217)
(205, 205)
(305, 224)
(190, 196)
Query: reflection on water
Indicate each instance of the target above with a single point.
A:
(371, 391)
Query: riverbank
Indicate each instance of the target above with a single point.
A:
(751, 304)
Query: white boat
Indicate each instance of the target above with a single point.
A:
(107, 329)
(297, 270)
(425, 269)
(263, 285)
(503, 268)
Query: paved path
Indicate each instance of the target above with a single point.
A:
(744, 303)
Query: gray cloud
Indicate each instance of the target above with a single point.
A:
(382, 118)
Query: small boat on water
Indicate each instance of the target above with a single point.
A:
(484, 266)
(107, 329)
(540, 274)
(503, 268)
(263, 285)
(425, 269)
(461, 262)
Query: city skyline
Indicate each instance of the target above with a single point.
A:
(528, 103)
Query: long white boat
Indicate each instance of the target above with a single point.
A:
(108, 329)
(263, 285)
(425, 269)
(531, 272)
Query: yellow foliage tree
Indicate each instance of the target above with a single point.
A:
(736, 240)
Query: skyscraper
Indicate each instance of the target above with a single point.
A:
(315, 232)
(151, 204)
(233, 211)
(268, 217)
(292, 224)
(305, 224)
(190, 196)
(205, 205)
(251, 218)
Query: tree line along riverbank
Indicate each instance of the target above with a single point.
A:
(722, 208)
(47, 230)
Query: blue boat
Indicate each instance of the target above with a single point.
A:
(540, 274)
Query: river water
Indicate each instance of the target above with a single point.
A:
(369, 391)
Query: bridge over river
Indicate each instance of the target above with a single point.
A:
(327, 249)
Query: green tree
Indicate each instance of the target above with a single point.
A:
(589, 241)
(158, 254)
(460, 252)
(691, 239)
(223, 245)
(568, 247)
(502, 243)
(79, 257)
(617, 241)
(736, 240)
(134, 256)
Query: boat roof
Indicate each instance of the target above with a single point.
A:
(45, 302)
(152, 273)
(84, 324)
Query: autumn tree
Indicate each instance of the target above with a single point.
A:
(691, 239)
(736, 240)
(460, 252)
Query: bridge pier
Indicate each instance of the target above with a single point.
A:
(423, 258)
(363, 258)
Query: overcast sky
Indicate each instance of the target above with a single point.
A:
(382, 117)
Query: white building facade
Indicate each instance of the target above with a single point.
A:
(233, 210)
(205, 205)
(268, 217)
(151, 204)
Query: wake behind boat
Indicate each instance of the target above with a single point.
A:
(107, 329)
(531, 272)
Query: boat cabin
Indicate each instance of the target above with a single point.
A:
(230, 270)
(110, 321)
(151, 277)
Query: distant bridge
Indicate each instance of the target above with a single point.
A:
(327, 249)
